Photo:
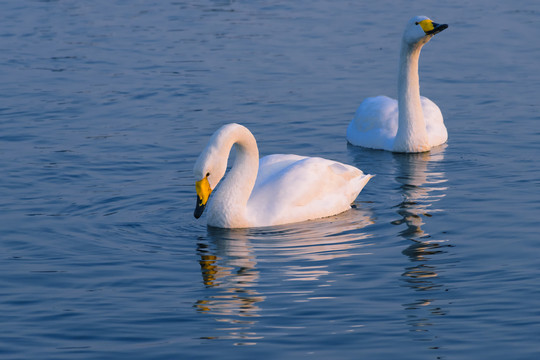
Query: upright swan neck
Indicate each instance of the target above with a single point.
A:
(230, 201)
(412, 134)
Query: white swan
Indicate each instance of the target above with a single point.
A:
(413, 123)
(278, 189)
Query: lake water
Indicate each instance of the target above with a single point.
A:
(105, 105)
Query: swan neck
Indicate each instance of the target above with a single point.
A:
(230, 201)
(408, 83)
(411, 135)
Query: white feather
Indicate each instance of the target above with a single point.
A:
(278, 189)
(412, 123)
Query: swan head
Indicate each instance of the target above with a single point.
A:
(210, 167)
(420, 29)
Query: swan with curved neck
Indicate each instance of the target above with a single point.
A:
(277, 189)
(413, 123)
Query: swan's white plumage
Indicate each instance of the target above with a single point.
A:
(277, 189)
(375, 123)
(412, 123)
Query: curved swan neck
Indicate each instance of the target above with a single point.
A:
(412, 134)
(231, 199)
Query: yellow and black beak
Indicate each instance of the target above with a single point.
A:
(203, 193)
(431, 28)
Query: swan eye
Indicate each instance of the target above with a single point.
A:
(417, 23)
(207, 174)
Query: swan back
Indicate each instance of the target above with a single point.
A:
(375, 123)
(292, 188)
(436, 130)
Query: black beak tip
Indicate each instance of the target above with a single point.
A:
(199, 209)
(442, 27)
(437, 28)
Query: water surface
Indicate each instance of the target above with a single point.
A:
(105, 106)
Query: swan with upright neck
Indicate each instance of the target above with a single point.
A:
(413, 123)
(277, 189)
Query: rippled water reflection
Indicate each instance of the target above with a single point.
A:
(422, 187)
(230, 260)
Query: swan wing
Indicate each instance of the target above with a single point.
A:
(292, 188)
(435, 127)
(273, 164)
(375, 123)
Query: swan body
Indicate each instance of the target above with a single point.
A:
(412, 123)
(277, 189)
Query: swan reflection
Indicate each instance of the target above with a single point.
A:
(230, 261)
(228, 265)
(420, 190)
(421, 187)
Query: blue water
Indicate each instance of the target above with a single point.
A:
(105, 105)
